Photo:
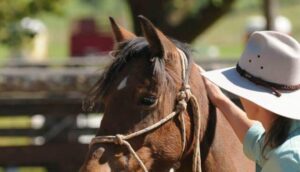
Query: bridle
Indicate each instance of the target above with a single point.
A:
(184, 97)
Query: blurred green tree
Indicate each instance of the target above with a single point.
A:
(11, 13)
(181, 19)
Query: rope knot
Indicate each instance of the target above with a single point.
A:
(183, 97)
(181, 105)
(184, 94)
(119, 139)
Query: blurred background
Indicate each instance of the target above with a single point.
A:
(207, 25)
(53, 51)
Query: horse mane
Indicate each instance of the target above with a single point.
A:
(124, 53)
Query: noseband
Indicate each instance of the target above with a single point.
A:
(184, 97)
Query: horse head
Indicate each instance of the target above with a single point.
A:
(139, 89)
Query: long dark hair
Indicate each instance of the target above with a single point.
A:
(277, 134)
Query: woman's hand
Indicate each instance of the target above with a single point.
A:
(214, 92)
(235, 116)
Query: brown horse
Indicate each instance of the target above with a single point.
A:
(141, 88)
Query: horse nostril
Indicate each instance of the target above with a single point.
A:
(97, 154)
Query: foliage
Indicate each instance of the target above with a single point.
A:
(11, 13)
(181, 19)
(101, 9)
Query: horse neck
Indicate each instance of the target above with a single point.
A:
(198, 90)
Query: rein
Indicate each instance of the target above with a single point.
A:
(184, 97)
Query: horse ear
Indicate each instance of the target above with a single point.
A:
(120, 33)
(159, 44)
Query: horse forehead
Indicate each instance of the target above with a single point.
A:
(123, 83)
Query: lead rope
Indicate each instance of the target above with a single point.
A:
(183, 97)
(196, 115)
(120, 139)
(197, 130)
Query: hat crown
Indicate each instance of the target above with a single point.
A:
(273, 57)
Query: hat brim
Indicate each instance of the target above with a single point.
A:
(287, 105)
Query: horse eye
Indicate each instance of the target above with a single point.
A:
(148, 101)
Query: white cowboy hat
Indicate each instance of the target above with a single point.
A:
(267, 74)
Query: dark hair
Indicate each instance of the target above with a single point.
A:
(277, 134)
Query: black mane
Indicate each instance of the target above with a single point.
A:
(123, 54)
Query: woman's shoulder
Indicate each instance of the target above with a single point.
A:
(290, 147)
(287, 156)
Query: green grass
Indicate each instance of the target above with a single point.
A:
(60, 27)
(8, 122)
(3, 53)
(28, 169)
(228, 34)
(15, 122)
(15, 141)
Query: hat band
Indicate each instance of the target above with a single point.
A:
(273, 86)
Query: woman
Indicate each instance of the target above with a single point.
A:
(267, 80)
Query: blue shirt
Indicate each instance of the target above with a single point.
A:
(285, 158)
